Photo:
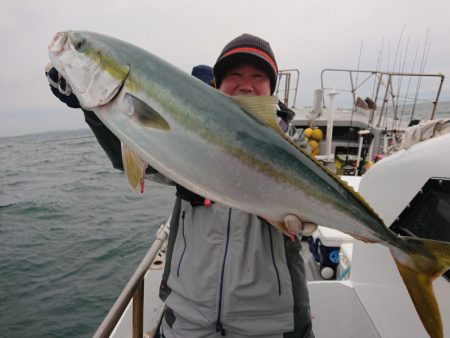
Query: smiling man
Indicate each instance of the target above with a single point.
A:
(230, 273)
(245, 79)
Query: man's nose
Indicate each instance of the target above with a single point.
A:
(246, 88)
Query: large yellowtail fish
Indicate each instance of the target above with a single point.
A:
(228, 150)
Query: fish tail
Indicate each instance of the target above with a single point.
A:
(425, 260)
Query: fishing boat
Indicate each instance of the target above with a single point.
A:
(381, 105)
(366, 132)
(368, 299)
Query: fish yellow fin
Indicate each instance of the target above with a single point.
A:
(134, 168)
(420, 289)
(427, 260)
(263, 108)
(146, 115)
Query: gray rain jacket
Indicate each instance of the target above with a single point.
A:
(230, 273)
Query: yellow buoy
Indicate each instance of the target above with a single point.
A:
(313, 145)
(317, 135)
(308, 132)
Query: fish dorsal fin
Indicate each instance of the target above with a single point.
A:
(263, 108)
(134, 168)
(146, 115)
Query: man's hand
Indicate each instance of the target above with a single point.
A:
(296, 226)
(60, 88)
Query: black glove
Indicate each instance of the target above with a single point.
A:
(60, 88)
(109, 142)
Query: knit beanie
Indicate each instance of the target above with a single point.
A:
(247, 49)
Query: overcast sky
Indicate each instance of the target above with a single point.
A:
(306, 34)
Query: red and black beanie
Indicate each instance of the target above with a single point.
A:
(247, 49)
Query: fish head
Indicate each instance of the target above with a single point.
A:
(93, 69)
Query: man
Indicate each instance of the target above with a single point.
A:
(229, 273)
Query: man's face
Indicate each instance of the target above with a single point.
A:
(245, 79)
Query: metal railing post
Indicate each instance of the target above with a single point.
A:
(437, 97)
(138, 311)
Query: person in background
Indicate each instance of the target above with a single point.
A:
(204, 73)
(227, 273)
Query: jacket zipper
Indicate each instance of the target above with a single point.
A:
(219, 326)
(184, 240)
(273, 260)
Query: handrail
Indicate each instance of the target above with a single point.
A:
(381, 74)
(134, 289)
(287, 87)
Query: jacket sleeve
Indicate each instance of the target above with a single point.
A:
(112, 147)
(286, 116)
(107, 140)
(297, 136)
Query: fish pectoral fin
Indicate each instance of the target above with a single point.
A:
(263, 108)
(428, 260)
(134, 168)
(146, 115)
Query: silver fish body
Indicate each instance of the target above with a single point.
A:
(211, 145)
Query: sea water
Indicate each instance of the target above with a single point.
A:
(71, 233)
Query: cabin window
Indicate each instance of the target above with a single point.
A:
(428, 214)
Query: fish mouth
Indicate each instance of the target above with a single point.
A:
(58, 43)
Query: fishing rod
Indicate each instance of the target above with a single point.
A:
(421, 70)
(354, 101)
(375, 95)
(410, 79)
(359, 62)
(394, 104)
(401, 81)
(376, 80)
(353, 90)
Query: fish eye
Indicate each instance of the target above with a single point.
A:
(80, 44)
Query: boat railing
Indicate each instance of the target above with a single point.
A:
(134, 290)
(288, 87)
(392, 93)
